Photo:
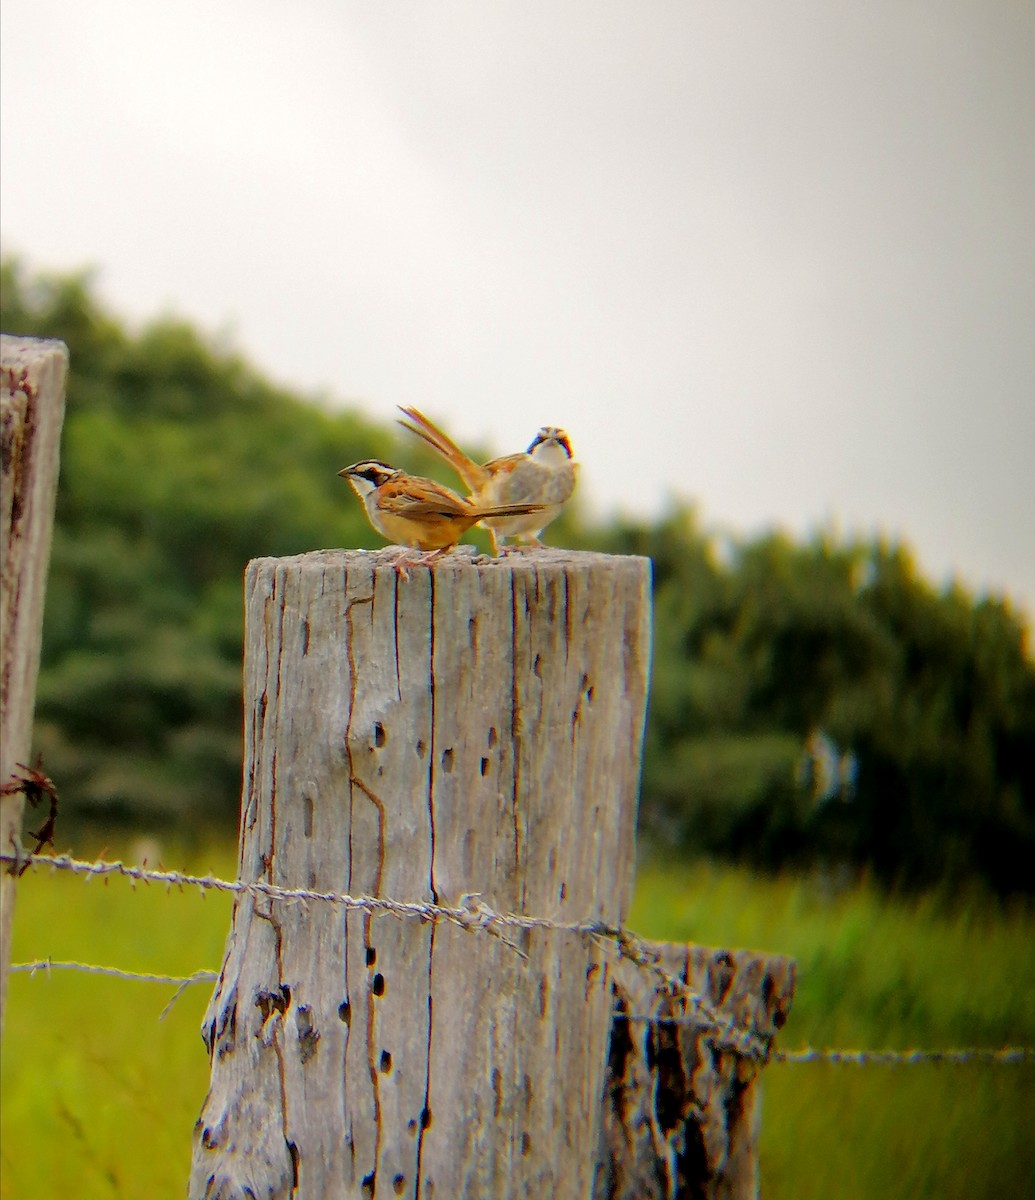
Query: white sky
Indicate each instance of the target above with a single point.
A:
(775, 259)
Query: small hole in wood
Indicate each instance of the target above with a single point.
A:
(368, 1184)
(345, 1012)
(589, 695)
(371, 956)
(484, 767)
(269, 1003)
(399, 1184)
(421, 749)
(377, 985)
(536, 663)
(447, 761)
(526, 1144)
(379, 734)
(308, 1039)
(492, 737)
(563, 892)
(386, 1062)
(425, 1118)
(307, 816)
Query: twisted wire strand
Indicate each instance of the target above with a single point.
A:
(806, 1054)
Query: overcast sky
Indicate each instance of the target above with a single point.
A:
(776, 259)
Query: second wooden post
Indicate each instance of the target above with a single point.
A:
(472, 732)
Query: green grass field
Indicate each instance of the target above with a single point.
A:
(99, 1096)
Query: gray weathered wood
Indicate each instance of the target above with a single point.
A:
(475, 728)
(680, 1117)
(32, 407)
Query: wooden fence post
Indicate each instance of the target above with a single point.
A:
(474, 730)
(680, 1118)
(32, 407)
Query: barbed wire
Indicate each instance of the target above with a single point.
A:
(45, 965)
(472, 913)
(908, 1058)
(807, 1054)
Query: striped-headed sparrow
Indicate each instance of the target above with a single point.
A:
(418, 513)
(542, 475)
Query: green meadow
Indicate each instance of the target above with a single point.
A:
(100, 1092)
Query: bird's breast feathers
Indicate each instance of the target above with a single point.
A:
(535, 483)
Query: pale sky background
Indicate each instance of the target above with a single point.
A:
(776, 259)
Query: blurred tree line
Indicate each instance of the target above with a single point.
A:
(812, 703)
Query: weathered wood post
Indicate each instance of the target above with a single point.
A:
(681, 1095)
(32, 408)
(471, 729)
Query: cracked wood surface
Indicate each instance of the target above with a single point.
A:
(32, 408)
(475, 728)
(680, 1117)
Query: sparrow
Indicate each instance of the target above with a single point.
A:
(418, 513)
(543, 475)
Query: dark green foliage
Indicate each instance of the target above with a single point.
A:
(924, 703)
(180, 464)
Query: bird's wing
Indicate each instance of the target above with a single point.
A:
(506, 464)
(408, 499)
